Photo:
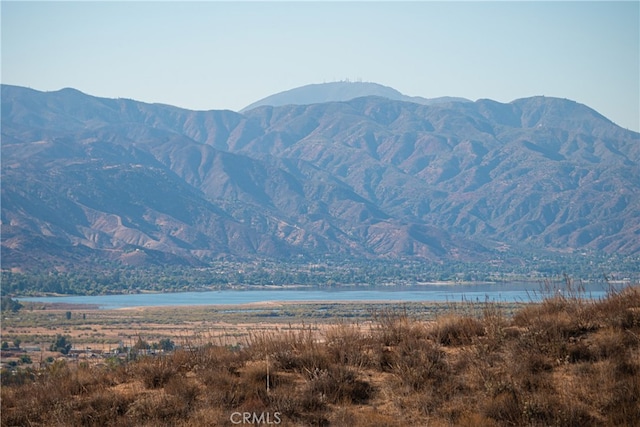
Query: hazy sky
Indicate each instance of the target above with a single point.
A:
(224, 55)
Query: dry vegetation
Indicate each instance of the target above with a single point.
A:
(38, 324)
(565, 361)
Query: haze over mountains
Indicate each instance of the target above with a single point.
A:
(341, 91)
(86, 178)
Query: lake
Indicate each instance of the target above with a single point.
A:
(495, 292)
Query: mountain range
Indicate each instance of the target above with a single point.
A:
(91, 179)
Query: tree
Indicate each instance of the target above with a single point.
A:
(17, 342)
(68, 315)
(61, 344)
(9, 304)
(141, 344)
(166, 344)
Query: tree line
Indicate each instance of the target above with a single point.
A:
(119, 279)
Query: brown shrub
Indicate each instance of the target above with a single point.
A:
(154, 372)
(183, 388)
(543, 409)
(206, 416)
(258, 380)
(622, 381)
(157, 408)
(504, 407)
(103, 408)
(298, 351)
(339, 384)
(349, 345)
(364, 417)
(419, 363)
(474, 420)
(620, 309)
(393, 328)
(456, 330)
(213, 357)
(223, 388)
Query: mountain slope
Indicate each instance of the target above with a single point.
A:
(533, 170)
(372, 177)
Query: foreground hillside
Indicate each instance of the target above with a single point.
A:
(86, 178)
(565, 361)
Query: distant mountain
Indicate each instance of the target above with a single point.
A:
(341, 91)
(86, 178)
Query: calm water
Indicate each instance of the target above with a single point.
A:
(502, 292)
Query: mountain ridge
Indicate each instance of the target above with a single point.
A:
(341, 91)
(369, 177)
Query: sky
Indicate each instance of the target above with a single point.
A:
(225, 55)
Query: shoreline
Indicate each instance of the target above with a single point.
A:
(288, 287)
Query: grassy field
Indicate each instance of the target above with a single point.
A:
(88, 326)
(565, 361)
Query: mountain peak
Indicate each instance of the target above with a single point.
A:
(340, 92)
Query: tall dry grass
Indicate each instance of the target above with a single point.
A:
(564, 361)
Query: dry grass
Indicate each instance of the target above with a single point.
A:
(565, 361)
